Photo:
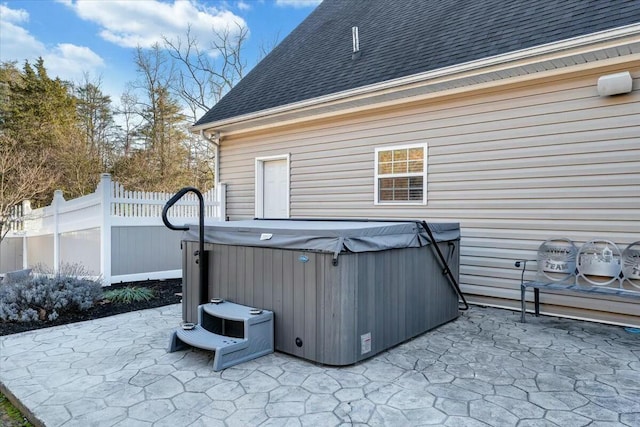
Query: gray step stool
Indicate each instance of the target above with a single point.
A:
(236, 333)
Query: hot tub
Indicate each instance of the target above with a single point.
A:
(340, 291)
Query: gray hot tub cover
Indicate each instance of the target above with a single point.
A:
(324, 236)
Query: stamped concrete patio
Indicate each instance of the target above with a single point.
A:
(485, 368)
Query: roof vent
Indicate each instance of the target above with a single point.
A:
(356, 40)
(356, 43)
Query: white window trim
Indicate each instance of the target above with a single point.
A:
(377, 202)
(259, 183)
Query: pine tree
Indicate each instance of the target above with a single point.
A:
(95, 116)
(39, 113)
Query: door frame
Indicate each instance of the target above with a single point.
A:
(259, 182)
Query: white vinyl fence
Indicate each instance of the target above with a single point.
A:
(113, 233)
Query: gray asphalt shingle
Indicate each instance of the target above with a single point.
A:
(401, 38)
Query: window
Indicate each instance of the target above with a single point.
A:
(401, 175)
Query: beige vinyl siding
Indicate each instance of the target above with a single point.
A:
(514, 165)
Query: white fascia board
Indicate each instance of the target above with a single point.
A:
(540, 53)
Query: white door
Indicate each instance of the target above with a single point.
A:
(275, 189)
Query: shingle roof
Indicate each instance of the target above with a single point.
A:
(403, 37)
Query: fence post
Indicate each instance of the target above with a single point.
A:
(25, 257)
(26, 207)
(26, 210)
(105, 189)
(221, 195)
(57, 201)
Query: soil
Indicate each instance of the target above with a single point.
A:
(165, 292)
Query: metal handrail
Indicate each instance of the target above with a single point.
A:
(200, 254)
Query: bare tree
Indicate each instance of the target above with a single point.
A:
(160, 111)
(159, 160)
(205, 74)
(267, 46)
(23, 176)
(130, 123)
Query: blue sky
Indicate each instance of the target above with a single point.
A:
(99, 36)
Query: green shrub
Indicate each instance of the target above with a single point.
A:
(129, 294)
(45, 298)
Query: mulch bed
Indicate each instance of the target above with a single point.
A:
(164, 294)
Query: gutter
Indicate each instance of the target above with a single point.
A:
(215, 139)
(370, 90)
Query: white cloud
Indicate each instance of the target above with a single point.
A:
(64, 60)
(142, 23)
(13, 15)
(16, 43)
(72, 61)
(298, 3)
(243, 5)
